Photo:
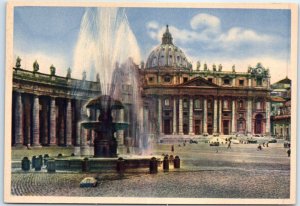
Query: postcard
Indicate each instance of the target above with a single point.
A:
(150, 103)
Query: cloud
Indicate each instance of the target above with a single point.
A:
(205, 21)
(152, 25)
(206, 31)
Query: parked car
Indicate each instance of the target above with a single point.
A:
(214, 144)
(88, 182)
(252, 141)
(193, 142)
(273, 140)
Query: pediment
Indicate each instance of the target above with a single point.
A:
(199, 82)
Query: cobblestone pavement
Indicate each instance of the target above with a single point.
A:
(206, 172)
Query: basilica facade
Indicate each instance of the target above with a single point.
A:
(176, 101)
(203, 101)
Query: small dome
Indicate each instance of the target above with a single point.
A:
(167, 54)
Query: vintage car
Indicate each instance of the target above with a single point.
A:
(88, 182)
(214, 144)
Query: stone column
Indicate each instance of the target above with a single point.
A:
(174, 117)
(120, 133)
(69, 123)
(180, 124)
(159, 116)
(215, 116)
(44, 133)
(220, 116)
(61, 134)
(249, 116)
(205, 117)
(36, 121)
(19, 121)
(268, 125)
(52, 122)
(233, 120)
(191, 125)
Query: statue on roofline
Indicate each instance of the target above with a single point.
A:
(214, 68)
(84, 75)
(233, 68)
(36, 66)
(69, 73)
(220, 67)
(18, 62)
(52, 70)
(205, 67)
(198, 65)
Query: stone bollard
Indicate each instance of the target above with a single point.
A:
(38, 164)
(25, 164)
(85, 165)
(33, 161)
(153, 165)
(177, 162)
(51, 168)
(166, 164)
(46, 157)
(121, 166)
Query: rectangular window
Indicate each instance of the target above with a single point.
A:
(258, 105)
(185, 79)
(151, 79)
(210, 80)
(259, 82)
(226, 81)
(167, 79)
(241, 82)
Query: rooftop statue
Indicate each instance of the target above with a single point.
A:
(214, 68)
(97, 77)
(52, 70)
(18, 62)
(84, 75)
(36, 66)
(69, 73)
(233, 68)
(205, 67)
(198, 65)
(220, 67)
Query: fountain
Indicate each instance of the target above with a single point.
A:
(105, 144)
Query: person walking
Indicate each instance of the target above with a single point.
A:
(172, 148)
(229, 145)
(289, 152)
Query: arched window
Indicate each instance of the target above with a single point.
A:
(154, 62)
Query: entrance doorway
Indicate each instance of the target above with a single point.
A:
(225, 127)
(185, 129)
(258, 124)
(197, 127)
(167, 129)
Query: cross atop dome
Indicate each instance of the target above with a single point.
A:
(167, 37)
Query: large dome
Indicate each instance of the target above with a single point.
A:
(167, 54)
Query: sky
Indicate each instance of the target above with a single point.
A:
(240, 37)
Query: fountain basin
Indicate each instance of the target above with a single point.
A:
(100, 126)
